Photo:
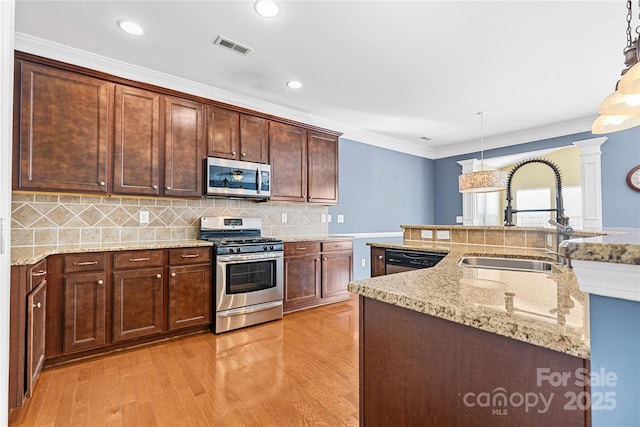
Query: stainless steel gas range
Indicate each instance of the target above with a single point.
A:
(248, 272)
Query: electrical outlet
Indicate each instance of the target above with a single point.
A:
(323, 218)
(363, 262)
(443, 234)
(329, 218)
(284, 217)
(459, 219)
(144, 217)
(426, 234)
(340, 219)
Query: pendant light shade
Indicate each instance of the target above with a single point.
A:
(482, 181)
(608, 124)
(621, 110)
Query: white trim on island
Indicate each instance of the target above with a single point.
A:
(608, 279)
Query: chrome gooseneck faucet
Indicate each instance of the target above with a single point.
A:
(561, 222)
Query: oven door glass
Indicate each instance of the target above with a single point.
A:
(249, 277)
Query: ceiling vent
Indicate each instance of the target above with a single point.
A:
(231, 45)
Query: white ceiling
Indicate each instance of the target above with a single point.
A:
(382, 72)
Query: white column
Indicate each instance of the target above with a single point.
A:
(7, 16)
(468, 199)
(590, 166)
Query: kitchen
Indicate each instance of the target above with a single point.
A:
(431, 200)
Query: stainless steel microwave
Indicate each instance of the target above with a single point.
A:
(235, 178)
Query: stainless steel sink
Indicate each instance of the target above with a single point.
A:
(517, 264)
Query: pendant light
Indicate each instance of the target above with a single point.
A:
(482, 181)
(621, 109)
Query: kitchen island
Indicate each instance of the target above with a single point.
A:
(453, 345)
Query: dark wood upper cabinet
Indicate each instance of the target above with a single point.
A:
(222, 132)
(183, 140)
(231, 135)
(254, 139)
(63, 138)
(322, 168)
(136, 142)
(288, 160)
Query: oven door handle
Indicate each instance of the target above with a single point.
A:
(248, 257)
(250, 309)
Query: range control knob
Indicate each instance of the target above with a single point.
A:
(237, 250)
(265, 248)
(231, 250)
(271, 247)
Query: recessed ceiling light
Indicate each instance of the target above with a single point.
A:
(130, 27)
(267, 8)
(294, 84)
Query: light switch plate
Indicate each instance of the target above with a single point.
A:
(329, 218)
(323, 218)
(459, 219)
(363, 262)
(144, 217)
(340, 219)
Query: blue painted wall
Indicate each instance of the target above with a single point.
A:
(621, 205)
(380, 189)
(615, 348)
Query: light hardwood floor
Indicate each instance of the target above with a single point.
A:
(299, 371)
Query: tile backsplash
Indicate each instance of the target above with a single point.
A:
(39, 219)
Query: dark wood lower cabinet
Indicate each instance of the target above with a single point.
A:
(36, 330)
(137, 303)
(420, 370)
(189, 295)
(316, 272)
(377, 262)
(85, 311)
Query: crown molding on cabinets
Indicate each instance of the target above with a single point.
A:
(60, 52)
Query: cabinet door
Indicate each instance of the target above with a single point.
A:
(189, 295)
(301, 281)
(137, 142)
(222, 133)
(137, 303)
(63, 138)
(377, 262)
(322, 168)
(84, 312)
(183, 148)
(254, 139)
(36, 321)
(336, 274)
(288, 160)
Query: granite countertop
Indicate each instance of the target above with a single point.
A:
(546, 310)
(31, 255)
(289, 239)
(621, 247)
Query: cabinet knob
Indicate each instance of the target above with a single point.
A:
(102, 183)
(244, 154)
(155, 187)
(233, 152)
(173, 274)
(168, 187)
(159, 276)
(324, 258)
(380, 257)
(38, 305)
(100, 282)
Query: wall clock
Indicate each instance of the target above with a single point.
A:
(633, 178)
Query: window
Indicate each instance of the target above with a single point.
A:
(533, 198)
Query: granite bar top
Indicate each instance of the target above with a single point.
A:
(289, 239)
(543, 309)
(31, 255)
(616, 247)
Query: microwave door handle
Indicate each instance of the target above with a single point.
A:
(259, 178)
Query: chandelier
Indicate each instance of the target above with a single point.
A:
(482, 181)
(621, 109)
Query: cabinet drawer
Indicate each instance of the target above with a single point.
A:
(189, 255)
(339, 245)
(301, 248)
(36, 274)
(137, 259)
(84, 262)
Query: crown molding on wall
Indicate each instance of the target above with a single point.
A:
(553, 130)
(63, 53)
